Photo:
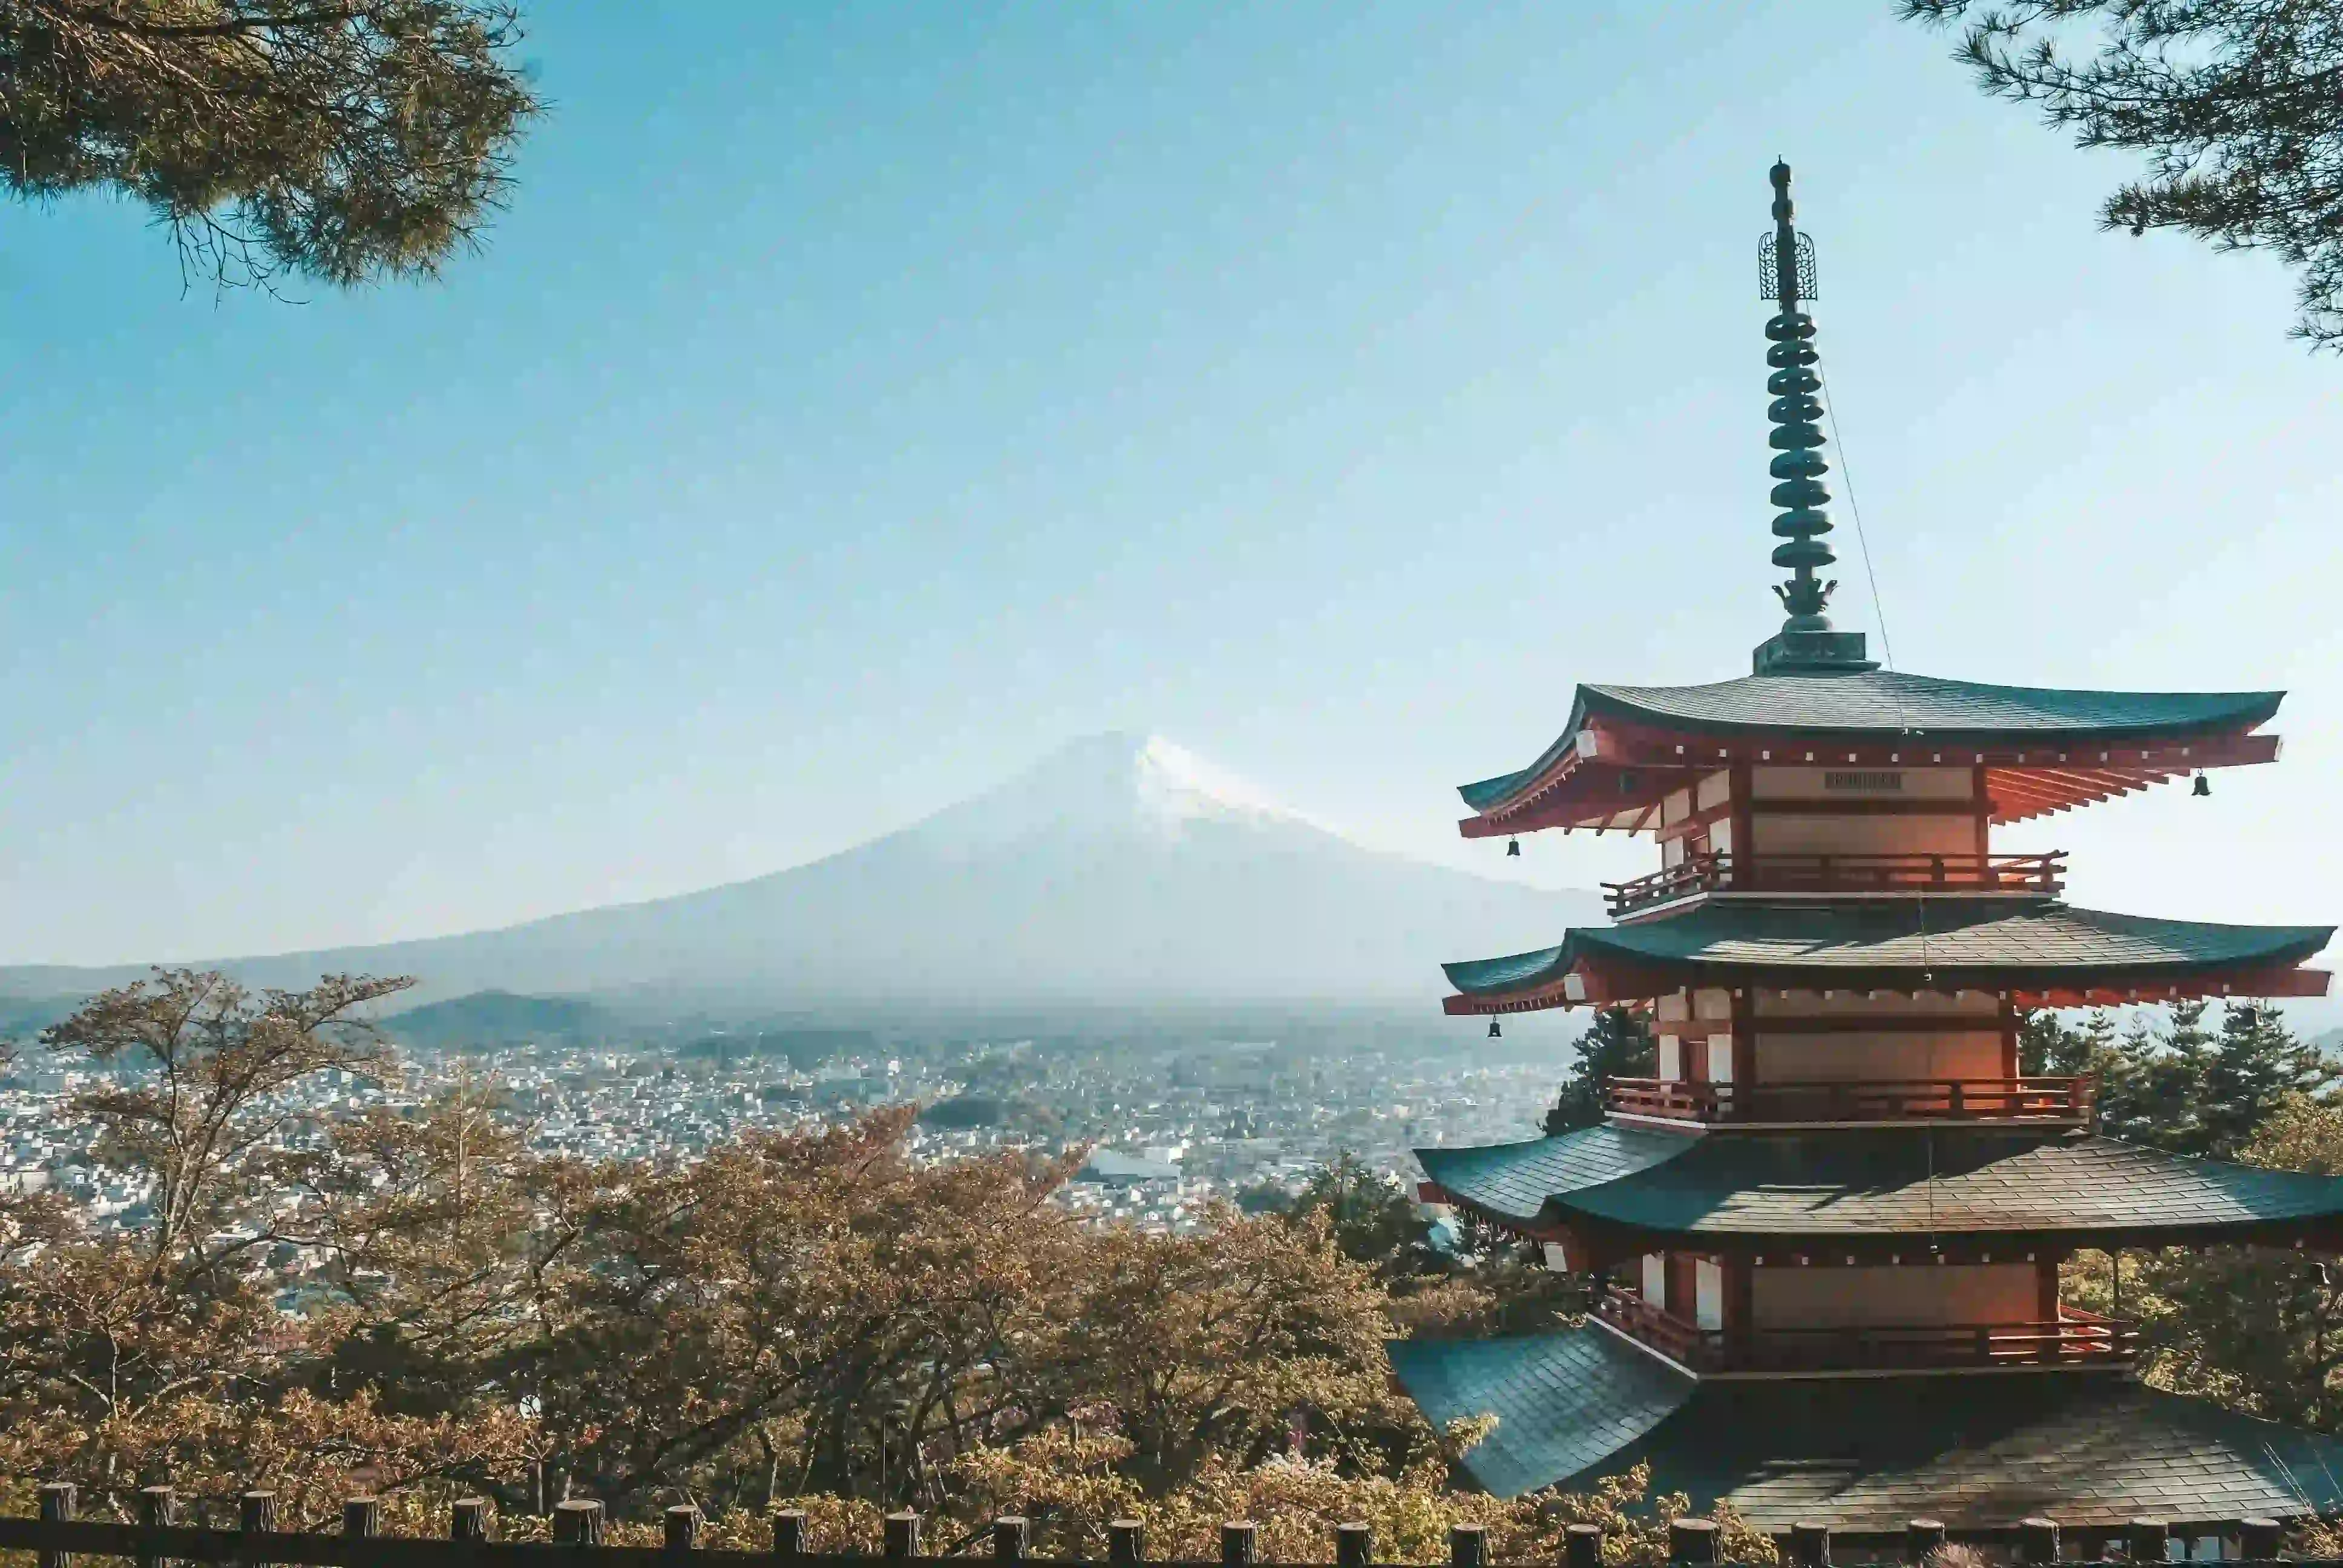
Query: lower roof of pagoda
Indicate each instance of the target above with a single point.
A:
(1863, 1455)
(2037, 951)
(2044, 749)
(1619, 1187)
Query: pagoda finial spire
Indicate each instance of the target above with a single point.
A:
(1806, 644)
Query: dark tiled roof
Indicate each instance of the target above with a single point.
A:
(1885, 705)
(1863, 1455)
(1841, 1183)
(1514, 1180)
(1563, 1401)
(1981, 943)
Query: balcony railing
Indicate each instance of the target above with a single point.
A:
(1725, 872)
(2075, 1338)
(2054, 1099)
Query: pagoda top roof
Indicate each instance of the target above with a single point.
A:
(1938, 944)
(1825, 1188)
(1863, 1455)
(1887, 707)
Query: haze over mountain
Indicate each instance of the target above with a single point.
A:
(1119, 870)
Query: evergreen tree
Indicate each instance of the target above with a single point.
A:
(2233, 102)
(2255, 1065)
(1371, 1218)
(1618, 1044)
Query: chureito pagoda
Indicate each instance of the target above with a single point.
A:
(1829, 1233)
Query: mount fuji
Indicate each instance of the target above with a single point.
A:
(1120, 869)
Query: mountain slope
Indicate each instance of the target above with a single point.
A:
(1119, 870)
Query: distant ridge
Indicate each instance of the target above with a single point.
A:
(1120, 869)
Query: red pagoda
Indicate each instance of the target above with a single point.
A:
(1828, 1232)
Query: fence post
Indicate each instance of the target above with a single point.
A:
(1922, 1537)
(257, 1515)
(1691, 1540)
(789, 1533)
(362, 1517)
(1010, 1532)
(1126, 1541)
(2037, 1540)
(468, 1519)
(1582, 1546)
(578, 1521)
(56, 1508)
(903, 1535)
(1354, 1545)
(158, 1509)
(1468, 1546)
(1810, 1544)
(1239, 1541)
(2258, 1539)
(2147, 1541)
(681, 1522)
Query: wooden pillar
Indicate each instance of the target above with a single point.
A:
(2009, 1062)
(1355, 1546)
(158, 1509)
(56, 1508)
(1691, 1540)
(1922, 1539)
(901, 1531)
(1744, 1041)
(257, 1515)
(1126, 1541)
(789, 1533)
(1240, 1544)
(1582, 1546)
(362, 1518)
(467, 1520)
(1010, 1536)
(1468, 1546)
(578, 1522)
(679, 1527)
(1740, 1307)
(1983, 803)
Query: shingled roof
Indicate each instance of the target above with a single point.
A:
(1884, 705)
(1827, 1188)
(1863, 1455)
(1983, 944)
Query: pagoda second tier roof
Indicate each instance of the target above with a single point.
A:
(1616, 1186)
(2081, 745)
(2036, 949)
(1863, 1455)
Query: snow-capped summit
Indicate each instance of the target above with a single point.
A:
(1119, 867)
(1110, 786)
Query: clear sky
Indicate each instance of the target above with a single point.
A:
(857, 403)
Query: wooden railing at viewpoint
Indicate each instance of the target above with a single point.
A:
(1726, 872)
(2075, 1338)
(579, 1526)
(2033, 1098)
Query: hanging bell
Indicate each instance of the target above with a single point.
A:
(1513, 847)
(1496, 1032)
(2203, 786)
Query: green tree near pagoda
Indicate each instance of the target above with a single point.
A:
(2187, 1085)
(2233, 102)
(339, 141)
(1368, 1217)
(1617, 1044)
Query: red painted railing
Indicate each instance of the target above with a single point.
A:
(1890, 1099)
(2075, 1338)
(1723, 872)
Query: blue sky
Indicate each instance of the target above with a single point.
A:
(857, 403)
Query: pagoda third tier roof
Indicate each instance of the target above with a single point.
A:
(2111, 741)
(2032, 950)
(1863, 1455)
(1616, 1186)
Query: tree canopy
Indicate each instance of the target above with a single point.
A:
(2238, 106)
(342, 141)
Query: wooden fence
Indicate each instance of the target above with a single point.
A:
(159, 1540)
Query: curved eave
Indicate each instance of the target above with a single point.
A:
(1619, 757)
(1611, 1192)
(2042, 955)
